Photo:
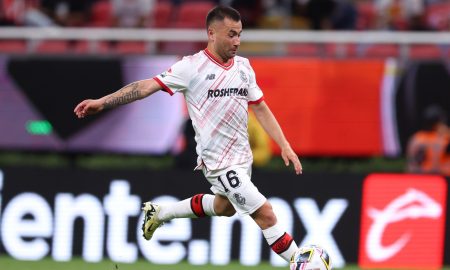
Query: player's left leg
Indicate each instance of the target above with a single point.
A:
(223, 206)
(197, 206)
(279, 240)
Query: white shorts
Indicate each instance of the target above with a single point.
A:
(235, 184)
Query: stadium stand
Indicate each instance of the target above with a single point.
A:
(191, 14)
(13, 46)
(131, 47)
(52, 47)
(438, 16)
(91, 47)
(101, 14)
(425, 51)
(378, 50)
(162, 14)
(303, 49)
(366, 16)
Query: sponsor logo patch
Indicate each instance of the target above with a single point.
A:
(403, 221)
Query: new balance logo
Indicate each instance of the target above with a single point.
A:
(210, 76)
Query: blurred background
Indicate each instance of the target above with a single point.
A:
(361, 89)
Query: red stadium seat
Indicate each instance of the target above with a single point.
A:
(192, 14)
(91, 47)
(438, 16)
(52, 47)
(340, 50)
(377, 50)
(425, 51)
(180, 48)
(366, 16)
(130, 47)
(162, 15)
(101, 14)
(14, 10)
(13, 46)
(303, 49)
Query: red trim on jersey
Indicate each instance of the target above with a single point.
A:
(197, 206)
(256, 101)
(217, 61)
(282, 244)
(167, 89)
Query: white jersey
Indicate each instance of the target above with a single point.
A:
(217, 98)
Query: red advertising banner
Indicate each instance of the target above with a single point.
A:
(325, 107)
(403, 221)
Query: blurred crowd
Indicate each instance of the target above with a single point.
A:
(415, 15)
(428, 150)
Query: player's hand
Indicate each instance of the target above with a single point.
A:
(289, 155)
(88, 107)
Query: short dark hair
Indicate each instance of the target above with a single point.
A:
(433, 115)
(219, 13)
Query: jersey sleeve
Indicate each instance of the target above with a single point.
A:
(255, 94)
(176, 78)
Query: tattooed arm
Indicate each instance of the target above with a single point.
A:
(132, 92)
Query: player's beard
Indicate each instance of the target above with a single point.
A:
(226, 53)
(232, 53)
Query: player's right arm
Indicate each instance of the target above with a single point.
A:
(129, 93)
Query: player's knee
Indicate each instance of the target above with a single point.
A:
(264, 216)
(271, 220)
(229, 212)
(224, 209)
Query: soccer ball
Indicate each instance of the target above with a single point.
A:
(310, 257)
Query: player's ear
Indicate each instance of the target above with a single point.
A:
(211, 32)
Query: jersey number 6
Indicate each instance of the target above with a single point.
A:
(233, 180)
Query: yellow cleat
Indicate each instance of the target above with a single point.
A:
(151, 222)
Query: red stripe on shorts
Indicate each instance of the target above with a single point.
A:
(197, 206)
(282, 244)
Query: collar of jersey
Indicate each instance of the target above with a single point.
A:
(217, 61)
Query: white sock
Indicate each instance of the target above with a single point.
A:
(208, 205)
(280, 241)
(200, 205)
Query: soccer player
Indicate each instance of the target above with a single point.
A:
(218, 87)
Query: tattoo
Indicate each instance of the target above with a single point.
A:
(125, 95)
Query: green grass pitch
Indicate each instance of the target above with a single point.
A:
(8, 263)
